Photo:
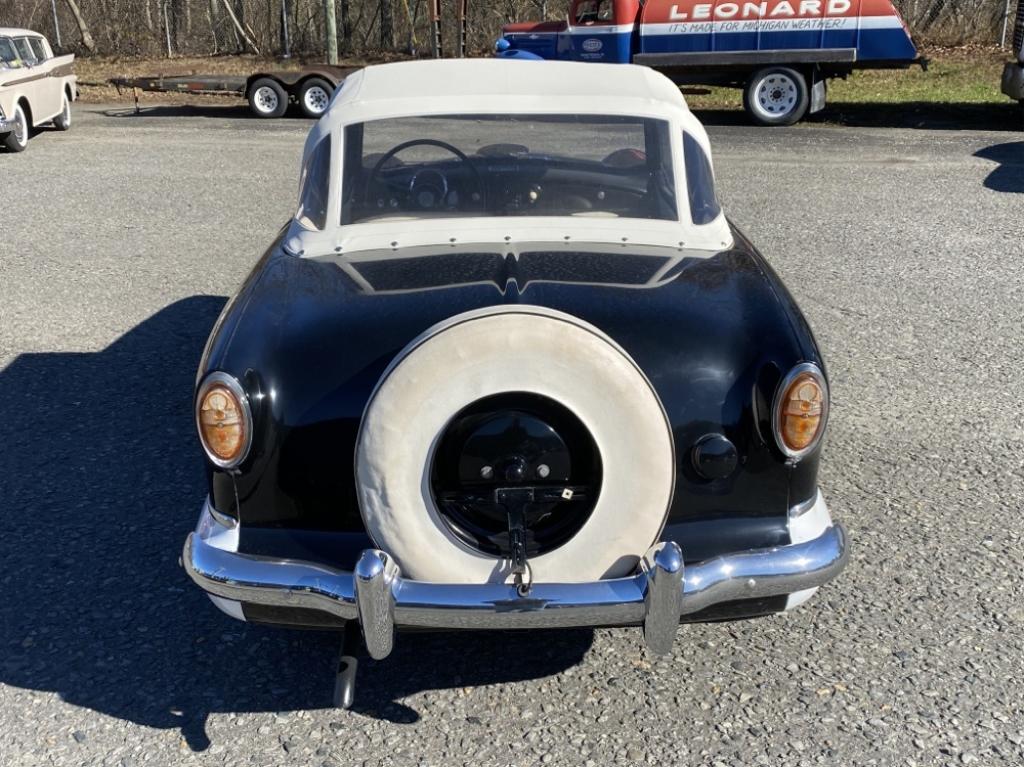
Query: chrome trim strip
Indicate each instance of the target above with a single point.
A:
(381, 599)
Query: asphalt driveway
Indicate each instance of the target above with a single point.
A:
(122, 239)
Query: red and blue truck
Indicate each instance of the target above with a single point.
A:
(780, 52)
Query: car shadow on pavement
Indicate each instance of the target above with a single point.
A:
(239, 111)
(100, 481)
(1008, 176)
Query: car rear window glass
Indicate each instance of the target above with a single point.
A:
(700, 182)
(314, 185)
(38, 49)
(452, 166)
(8, 53)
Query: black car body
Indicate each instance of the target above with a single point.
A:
(326, 318)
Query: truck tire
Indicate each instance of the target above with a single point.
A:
(776, 96)
(267, 98)
(314, 97)
(495, 352)
(17, 139)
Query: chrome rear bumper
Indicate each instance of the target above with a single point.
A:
(376, 595)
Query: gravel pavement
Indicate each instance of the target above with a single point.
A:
(119, 243)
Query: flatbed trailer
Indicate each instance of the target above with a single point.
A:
(269, 93)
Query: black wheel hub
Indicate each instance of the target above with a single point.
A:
(522, 446)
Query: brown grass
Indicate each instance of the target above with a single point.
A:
(964, 75)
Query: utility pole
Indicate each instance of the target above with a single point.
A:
(167, 30)
(436, 43)
(463, 27)
(285, 41)
(332, 32)
(1006, 21)
(56, 23)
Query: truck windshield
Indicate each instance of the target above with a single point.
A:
(508, 165)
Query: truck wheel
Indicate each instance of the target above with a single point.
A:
(17, 139)
(776, 96)
(267, 98)
(473, 367)
(63, 120)
(315, 97)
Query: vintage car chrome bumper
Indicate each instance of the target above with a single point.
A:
(661, 590)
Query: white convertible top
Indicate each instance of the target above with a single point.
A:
(501, 87)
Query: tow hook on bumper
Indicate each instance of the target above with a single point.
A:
(654, 597)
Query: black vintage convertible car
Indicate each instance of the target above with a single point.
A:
(510, 367)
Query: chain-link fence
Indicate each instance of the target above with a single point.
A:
(199, 27)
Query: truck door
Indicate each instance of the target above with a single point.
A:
(602, 30)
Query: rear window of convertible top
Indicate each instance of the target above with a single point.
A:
(599, 166)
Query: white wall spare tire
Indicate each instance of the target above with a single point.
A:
(497, 351)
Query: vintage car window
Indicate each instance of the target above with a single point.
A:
(598, 166)
(38, 49)
(700, 182)
(8, 53)
(24, 50)
(314, 185)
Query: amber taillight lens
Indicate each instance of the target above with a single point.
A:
(801, 410)
(223, 420)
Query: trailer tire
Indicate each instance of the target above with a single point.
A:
(314, 97)
(776, 96)
(267, 98)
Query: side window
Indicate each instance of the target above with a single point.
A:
(38, 49)
(594, 12)
(315, 185)
(8, 53)
(700, 182)
(24, 50)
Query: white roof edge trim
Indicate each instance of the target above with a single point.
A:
(498, 232)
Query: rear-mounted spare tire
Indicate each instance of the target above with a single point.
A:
(535, 387)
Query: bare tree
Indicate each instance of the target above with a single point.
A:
(83, 28)
(387, 25)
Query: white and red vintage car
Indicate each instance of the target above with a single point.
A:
(36, 87)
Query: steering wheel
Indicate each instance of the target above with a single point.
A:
(387, 156)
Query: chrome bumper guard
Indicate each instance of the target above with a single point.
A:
(660, 591)
(6, 126)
